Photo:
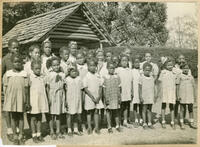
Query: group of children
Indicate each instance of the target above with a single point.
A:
(84, 84)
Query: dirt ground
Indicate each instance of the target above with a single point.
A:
(128, 136)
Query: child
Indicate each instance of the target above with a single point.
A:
(73, 49)
(185, 94)
(101, 66)
(56, 96)
(34, 53)
(15, 84)
(38, 100)
(74, 87)
(111, 88)
(65, 63)
(147, 94)
(115, 60)
(136, 100)
(93, 89)
(13, 47)
(127, 52)
(126, 78)
(108, 55)
(155, 69)
(82, 70)
(167, 91)
(46, 45)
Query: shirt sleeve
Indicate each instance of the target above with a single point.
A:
(140, 80)
(156, 69)
(85, 82)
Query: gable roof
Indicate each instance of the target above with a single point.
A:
(36, 28)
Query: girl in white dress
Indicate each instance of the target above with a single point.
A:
(93, 99)
(136, 101)
(126, 78)
(186, 93)
(38, 100)
(34, 53)
(74, 87)
(167, 91)
(147, 94)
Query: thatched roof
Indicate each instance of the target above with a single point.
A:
(74, 21)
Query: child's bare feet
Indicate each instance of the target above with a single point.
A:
(97, 131)
(40, 138)
(110, 131)
(35, 139)
(60, 136)
(191, 124)
(89, 131)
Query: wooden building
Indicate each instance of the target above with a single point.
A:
(73, 22)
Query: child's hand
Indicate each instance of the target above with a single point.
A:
(141, 100)
(27, 107)
(107, 102)
(119, 102)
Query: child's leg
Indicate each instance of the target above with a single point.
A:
(144, 114)
(149, 114)
(108, 118)
(182, 107)
(75, 123)
(176, 109)
(96, 119)
(190, 109)
(84, 119)
(39, 124)
(69, 125)
(116, 114)
(89, 115)
(125, 113)
(51, 122)
(8, 122)
(101, 121)
(135, 112)
(21, 126)
(140, 113)
(14, 118)
(171, 107)
(33, 126)
(163, 107)
(57, 124)
(79, 121)
(128, 113)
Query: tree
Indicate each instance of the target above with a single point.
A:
(183, 32)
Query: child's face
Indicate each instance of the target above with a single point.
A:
(36, 69)
(47, 49)
(148, 57)
(181, 59)
(100, 56)
(124, 62)
(169, 66)
(108, 56)
(80, 59)
(91, 67)
(147, 71)
(73, 49)
(115, 60)
(35, 54)
(17, 64)
(127, 52)
(14, 47)
(185, 70)
(55, 65)
(73, 73)
(64, 55)
(137, 64)
(111, 69)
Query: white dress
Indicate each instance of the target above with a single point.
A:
(136, 77)
(93, 83)
(126, 78)
(74, 95)
(38, 97)
(44, 70)
(65, 66)
(27, 68)
(168, 86)
(72, 59)
(83, 70)
(155, 69)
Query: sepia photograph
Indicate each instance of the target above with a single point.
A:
(99, 73)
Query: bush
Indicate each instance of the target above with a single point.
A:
(190, 55)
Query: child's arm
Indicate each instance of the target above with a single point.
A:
(48, 95)
(65, 100)
(177, 92)
(140, 93)
(100, 94)
(89, 94)
(132, 90)
(106, 101)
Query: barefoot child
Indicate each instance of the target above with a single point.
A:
(185, 94)
(111, 90)
(136, 100)
(126, 78)
(15, 85)
(56, 96)
(147, 94)
(93, 89)
(13, 47)
(168, 91)
(74, 87)
(38, 100)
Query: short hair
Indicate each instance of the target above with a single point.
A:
(46, 41)
(169, 59)
(147, 53)
(110, 63)
(50, 61)
(146, 64)
(182, 66)
(32, 47)
(36, 62)
(92, 60)
(11, 41)
(16, 55)
(122, 56)
(72, 43)
(62, 49)
(80, 52)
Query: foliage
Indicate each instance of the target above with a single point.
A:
(128, 23)
(190, 54)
